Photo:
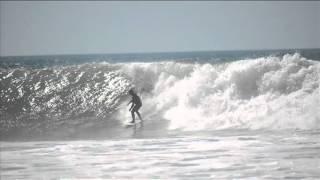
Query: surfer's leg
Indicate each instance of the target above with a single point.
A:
(139, 115)
(133, 118)
(136, 109)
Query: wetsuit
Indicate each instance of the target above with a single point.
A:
(137, 102)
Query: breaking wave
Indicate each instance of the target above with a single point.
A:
(269, 93)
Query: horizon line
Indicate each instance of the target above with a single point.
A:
(154, 52)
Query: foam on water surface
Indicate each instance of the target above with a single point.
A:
(222, 154)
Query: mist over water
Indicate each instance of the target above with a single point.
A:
(272, 92)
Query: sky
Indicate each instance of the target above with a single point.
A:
(83, 27)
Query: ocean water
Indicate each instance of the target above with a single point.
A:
(207, 115)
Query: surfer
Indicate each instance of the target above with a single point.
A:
(136, 104)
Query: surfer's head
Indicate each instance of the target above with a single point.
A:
(131, 92)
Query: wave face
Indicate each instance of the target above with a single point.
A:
(51, 98)
(263, 93)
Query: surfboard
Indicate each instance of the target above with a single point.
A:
(129, 124)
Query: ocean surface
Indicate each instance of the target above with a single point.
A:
(207, 115)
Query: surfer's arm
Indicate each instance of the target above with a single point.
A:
(130, 102)
(131, 106)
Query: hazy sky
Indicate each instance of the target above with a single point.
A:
(37, 28)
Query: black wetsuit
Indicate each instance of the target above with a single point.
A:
(137, 102)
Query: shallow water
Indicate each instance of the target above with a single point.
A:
(226, 154)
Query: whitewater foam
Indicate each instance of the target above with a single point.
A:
(270, 92)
